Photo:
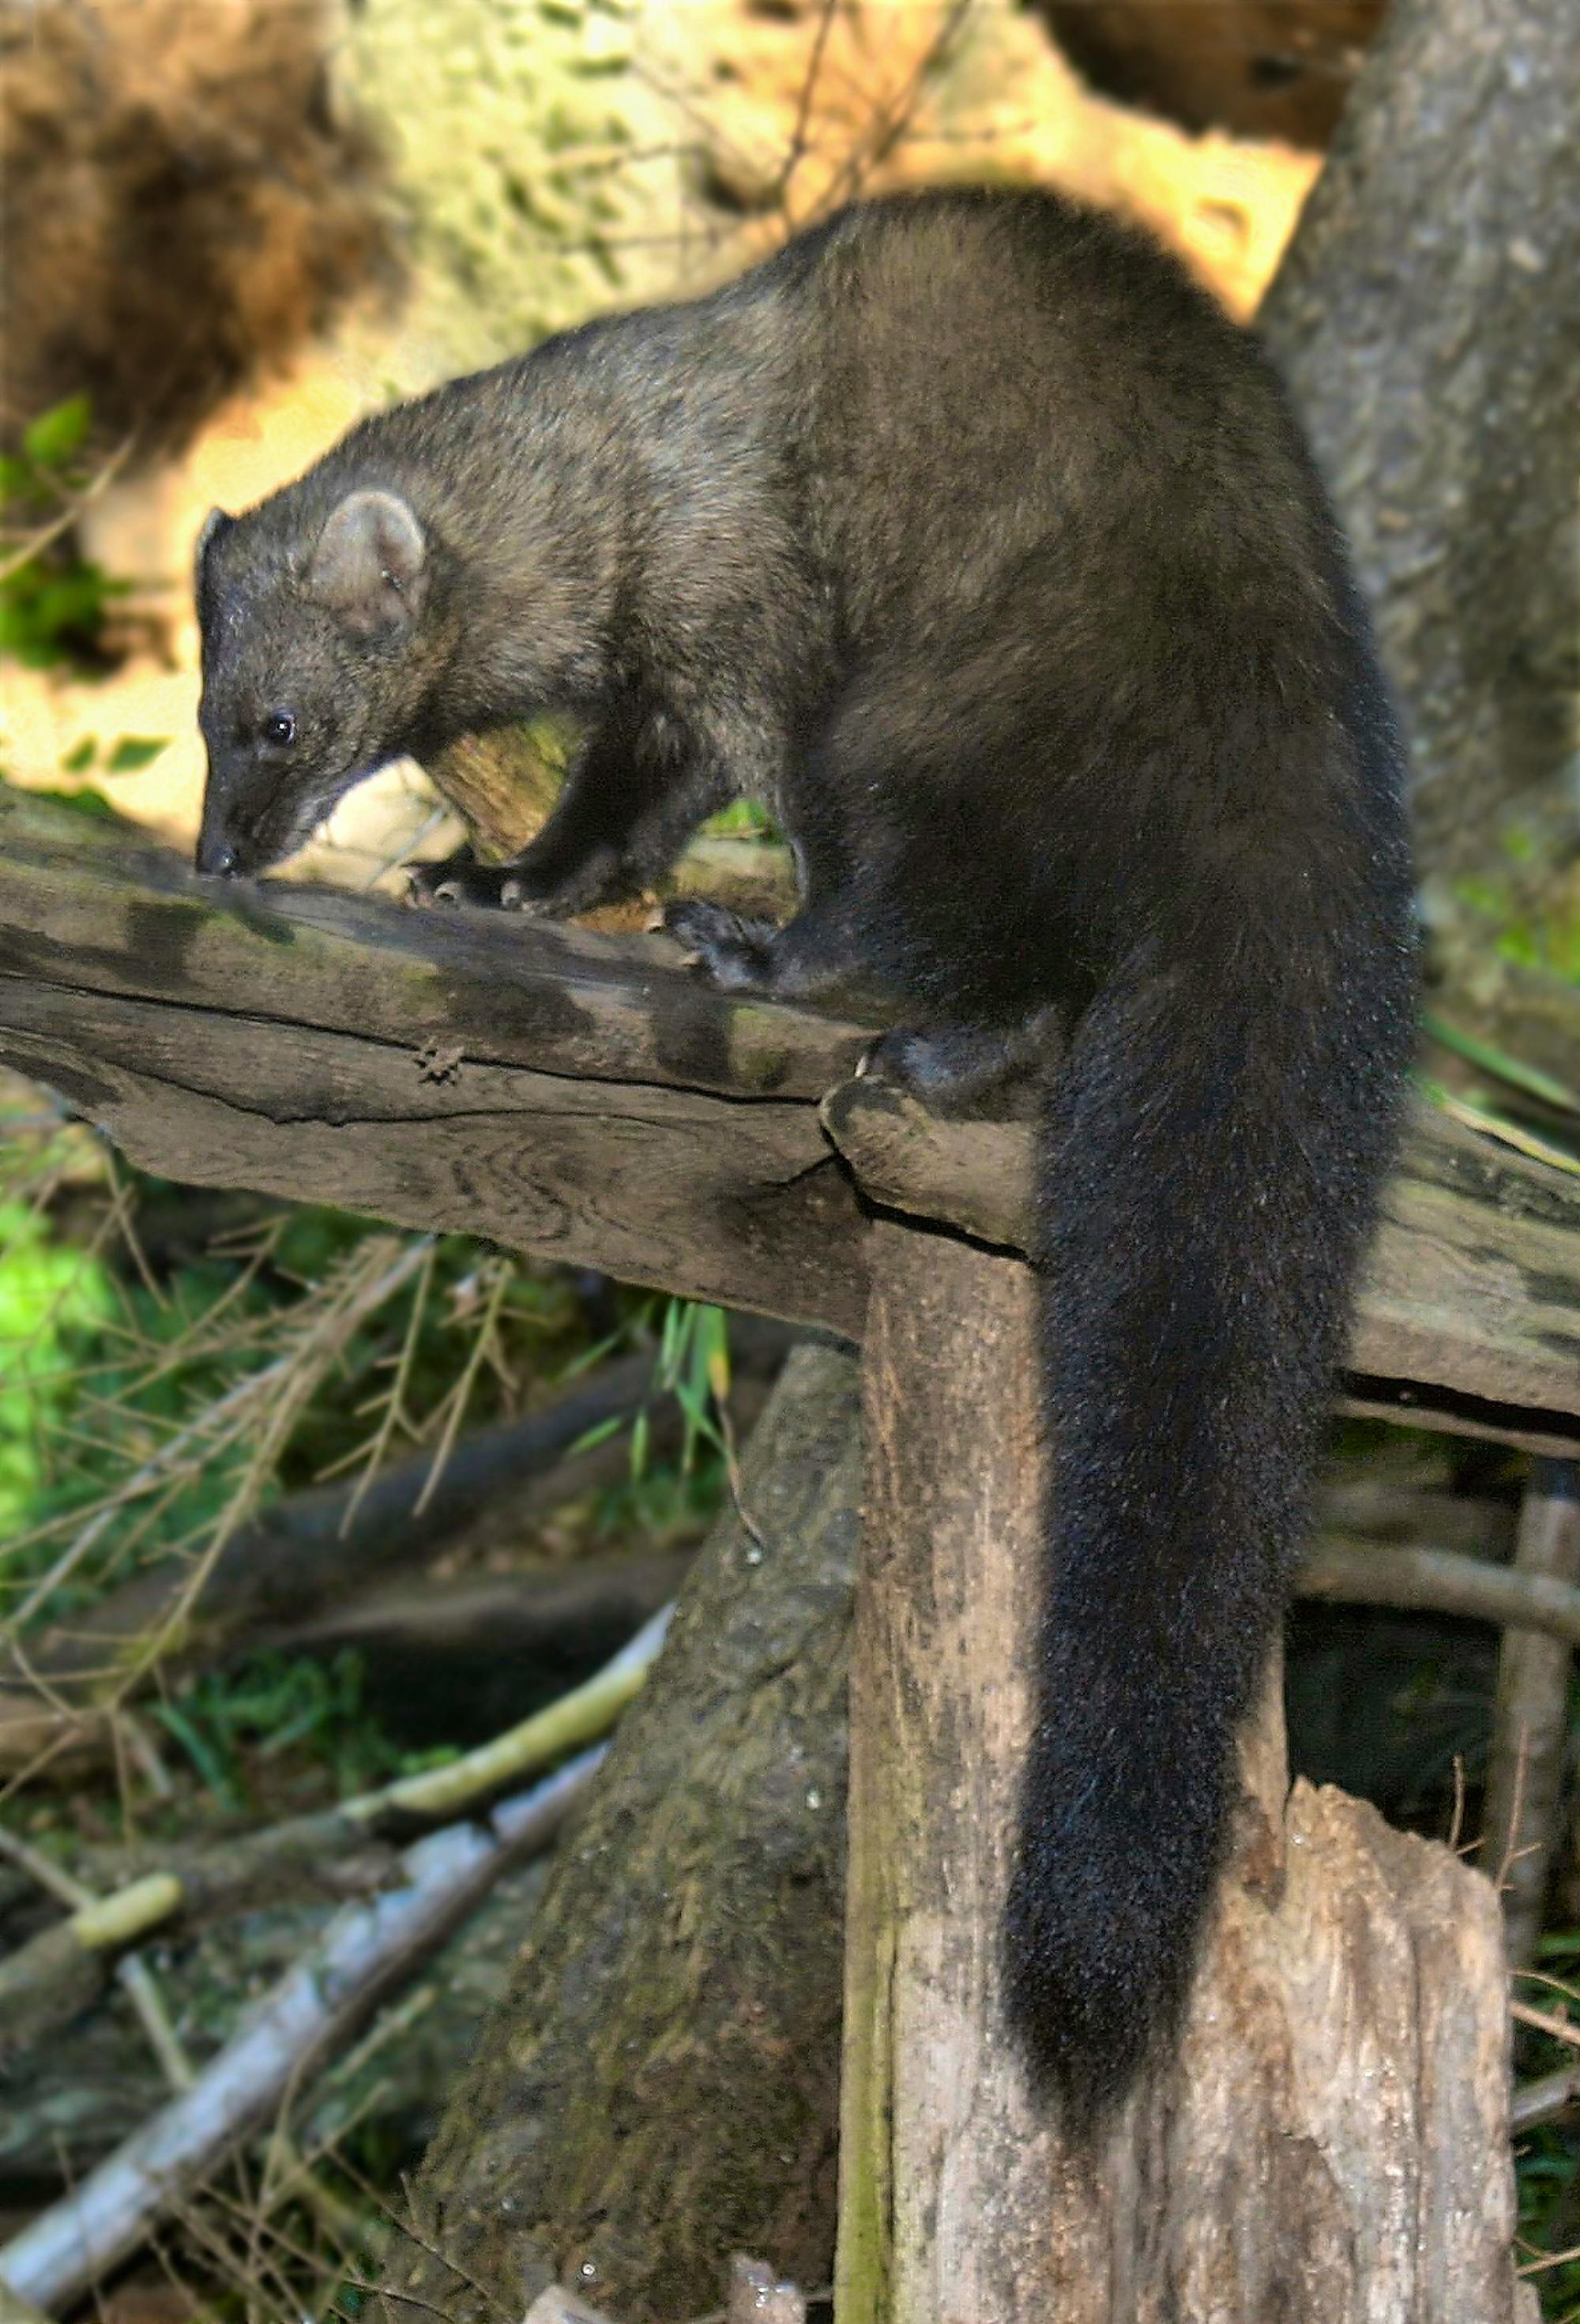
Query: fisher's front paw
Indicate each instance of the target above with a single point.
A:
(963, 1068)
(461, 880)
(734, 952)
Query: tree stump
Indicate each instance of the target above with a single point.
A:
(658, 2088)
(1427, 315)
(1332, 2138)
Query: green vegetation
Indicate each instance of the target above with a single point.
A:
(52, 600)
(172, 1363)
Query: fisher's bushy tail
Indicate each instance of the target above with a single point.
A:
(1208, 1167)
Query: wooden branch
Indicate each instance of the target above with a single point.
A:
(315, 1550)
(54, 1973)
(1531, 1725)
(580, 1096)
(558, 2306)
(1359, 1499)
(14, 2310)
(71, 2100)
(1331, 2138)
(1469, 1313)
(584, 1097)
(369, 1948)
(1534, 2103)
(1346, 1571)
(501, 784)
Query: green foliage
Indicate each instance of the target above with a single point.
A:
(694, 1367)
(52, 439)
(52, 600)
(231, 1725)
(52, 609)
(135, 752)
(145, 1408)
(1529, 1079)
(743, 818)
(50, 1295)
(1546, 940)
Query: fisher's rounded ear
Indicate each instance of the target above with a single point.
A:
(213, 524)
(370, 564)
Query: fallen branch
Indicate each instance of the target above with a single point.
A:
(1534, 2103)
(1439, 1581)
(558, 2306)
(1359, 1499)
(347, 1849)
(70, 2101)
(364, 1955)
(453, 1658)
(49, 1977)
(135, 1976)
(319, 1548)
(1523, 1809)
(1544, 2020)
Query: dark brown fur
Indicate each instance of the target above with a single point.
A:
(972, 537)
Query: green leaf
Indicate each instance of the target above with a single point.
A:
(134, 750)
(57, 433)
(81, 755)
(599, 1433)
(16, 477)
(204, 1758)
(86, 801)
(1514, 1071)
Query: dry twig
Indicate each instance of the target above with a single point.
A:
(364, 1953)
(55, 1972)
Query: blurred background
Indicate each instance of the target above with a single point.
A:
(228, 227)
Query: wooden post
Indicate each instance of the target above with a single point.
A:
(945, 2174)
(1525, 1778)
(1332, 2138)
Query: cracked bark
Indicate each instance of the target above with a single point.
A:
(1428, 318)
(658, 2088)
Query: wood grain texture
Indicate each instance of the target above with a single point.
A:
(737, 1203)
(89, 906)
(1332, 2138)
(1469, 1312)
(583, 1096)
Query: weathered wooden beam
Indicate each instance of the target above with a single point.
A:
(95, 907)
(578, 1096)
(584, 1097)
(1469, 1314)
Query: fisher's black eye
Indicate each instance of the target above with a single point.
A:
(279, 728)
